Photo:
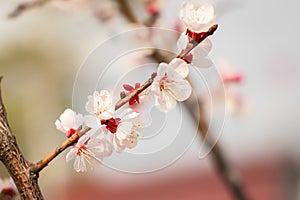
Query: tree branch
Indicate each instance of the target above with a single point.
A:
(22, 7)
(126, 11)
(17, 166)
(226, 171)
(193, 43)
(69, 142)
(130, 96)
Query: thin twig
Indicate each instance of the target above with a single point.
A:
(69, 142)
(136, 92)
(74, 138)
(193, 43)
(26, 6)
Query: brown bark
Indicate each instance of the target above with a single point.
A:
(18, 167)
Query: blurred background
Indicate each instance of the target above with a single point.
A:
(42, 50)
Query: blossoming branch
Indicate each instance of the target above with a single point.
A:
(111, 130)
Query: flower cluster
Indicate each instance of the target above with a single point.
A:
(198, 19)
(112, 130)
(109, 130)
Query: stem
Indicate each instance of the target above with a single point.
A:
(69, 142)
(193, 43)
(130, 96)
(22, 7)
(13, 159)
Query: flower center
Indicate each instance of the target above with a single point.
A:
(81, 150)
(70, 132)
(111, 124)
(162, 82)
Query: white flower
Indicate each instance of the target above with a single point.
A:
(69, 122)
(100, 105)
(197, 18)
(170, 84)
(124, 130)
(89, 149)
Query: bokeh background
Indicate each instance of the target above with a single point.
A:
(42, 50)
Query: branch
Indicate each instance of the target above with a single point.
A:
(127, 12)
(69, 142)
(22, 7)
(17, 166)
(226, 171)
(130, 96)
(193, 43)
(74, 138)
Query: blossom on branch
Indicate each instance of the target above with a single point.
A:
(197, 18)
(126, 130)
(100, 105)
(88, 150)
(198, 56)
(170, 85)
(69, 122)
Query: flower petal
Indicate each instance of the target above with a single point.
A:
(165, 102)
(182, 41)
(59, 126)
(180, 67)
(202, 62)
(67, 118)
(106, 115)
(197, 18)
(116, 143)
(91, 121)
(161, 70)
(79, 164)
(78, 121)
(145, 97)
(202, 49)
(91, 105)
(71, 154)
(181, 90)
